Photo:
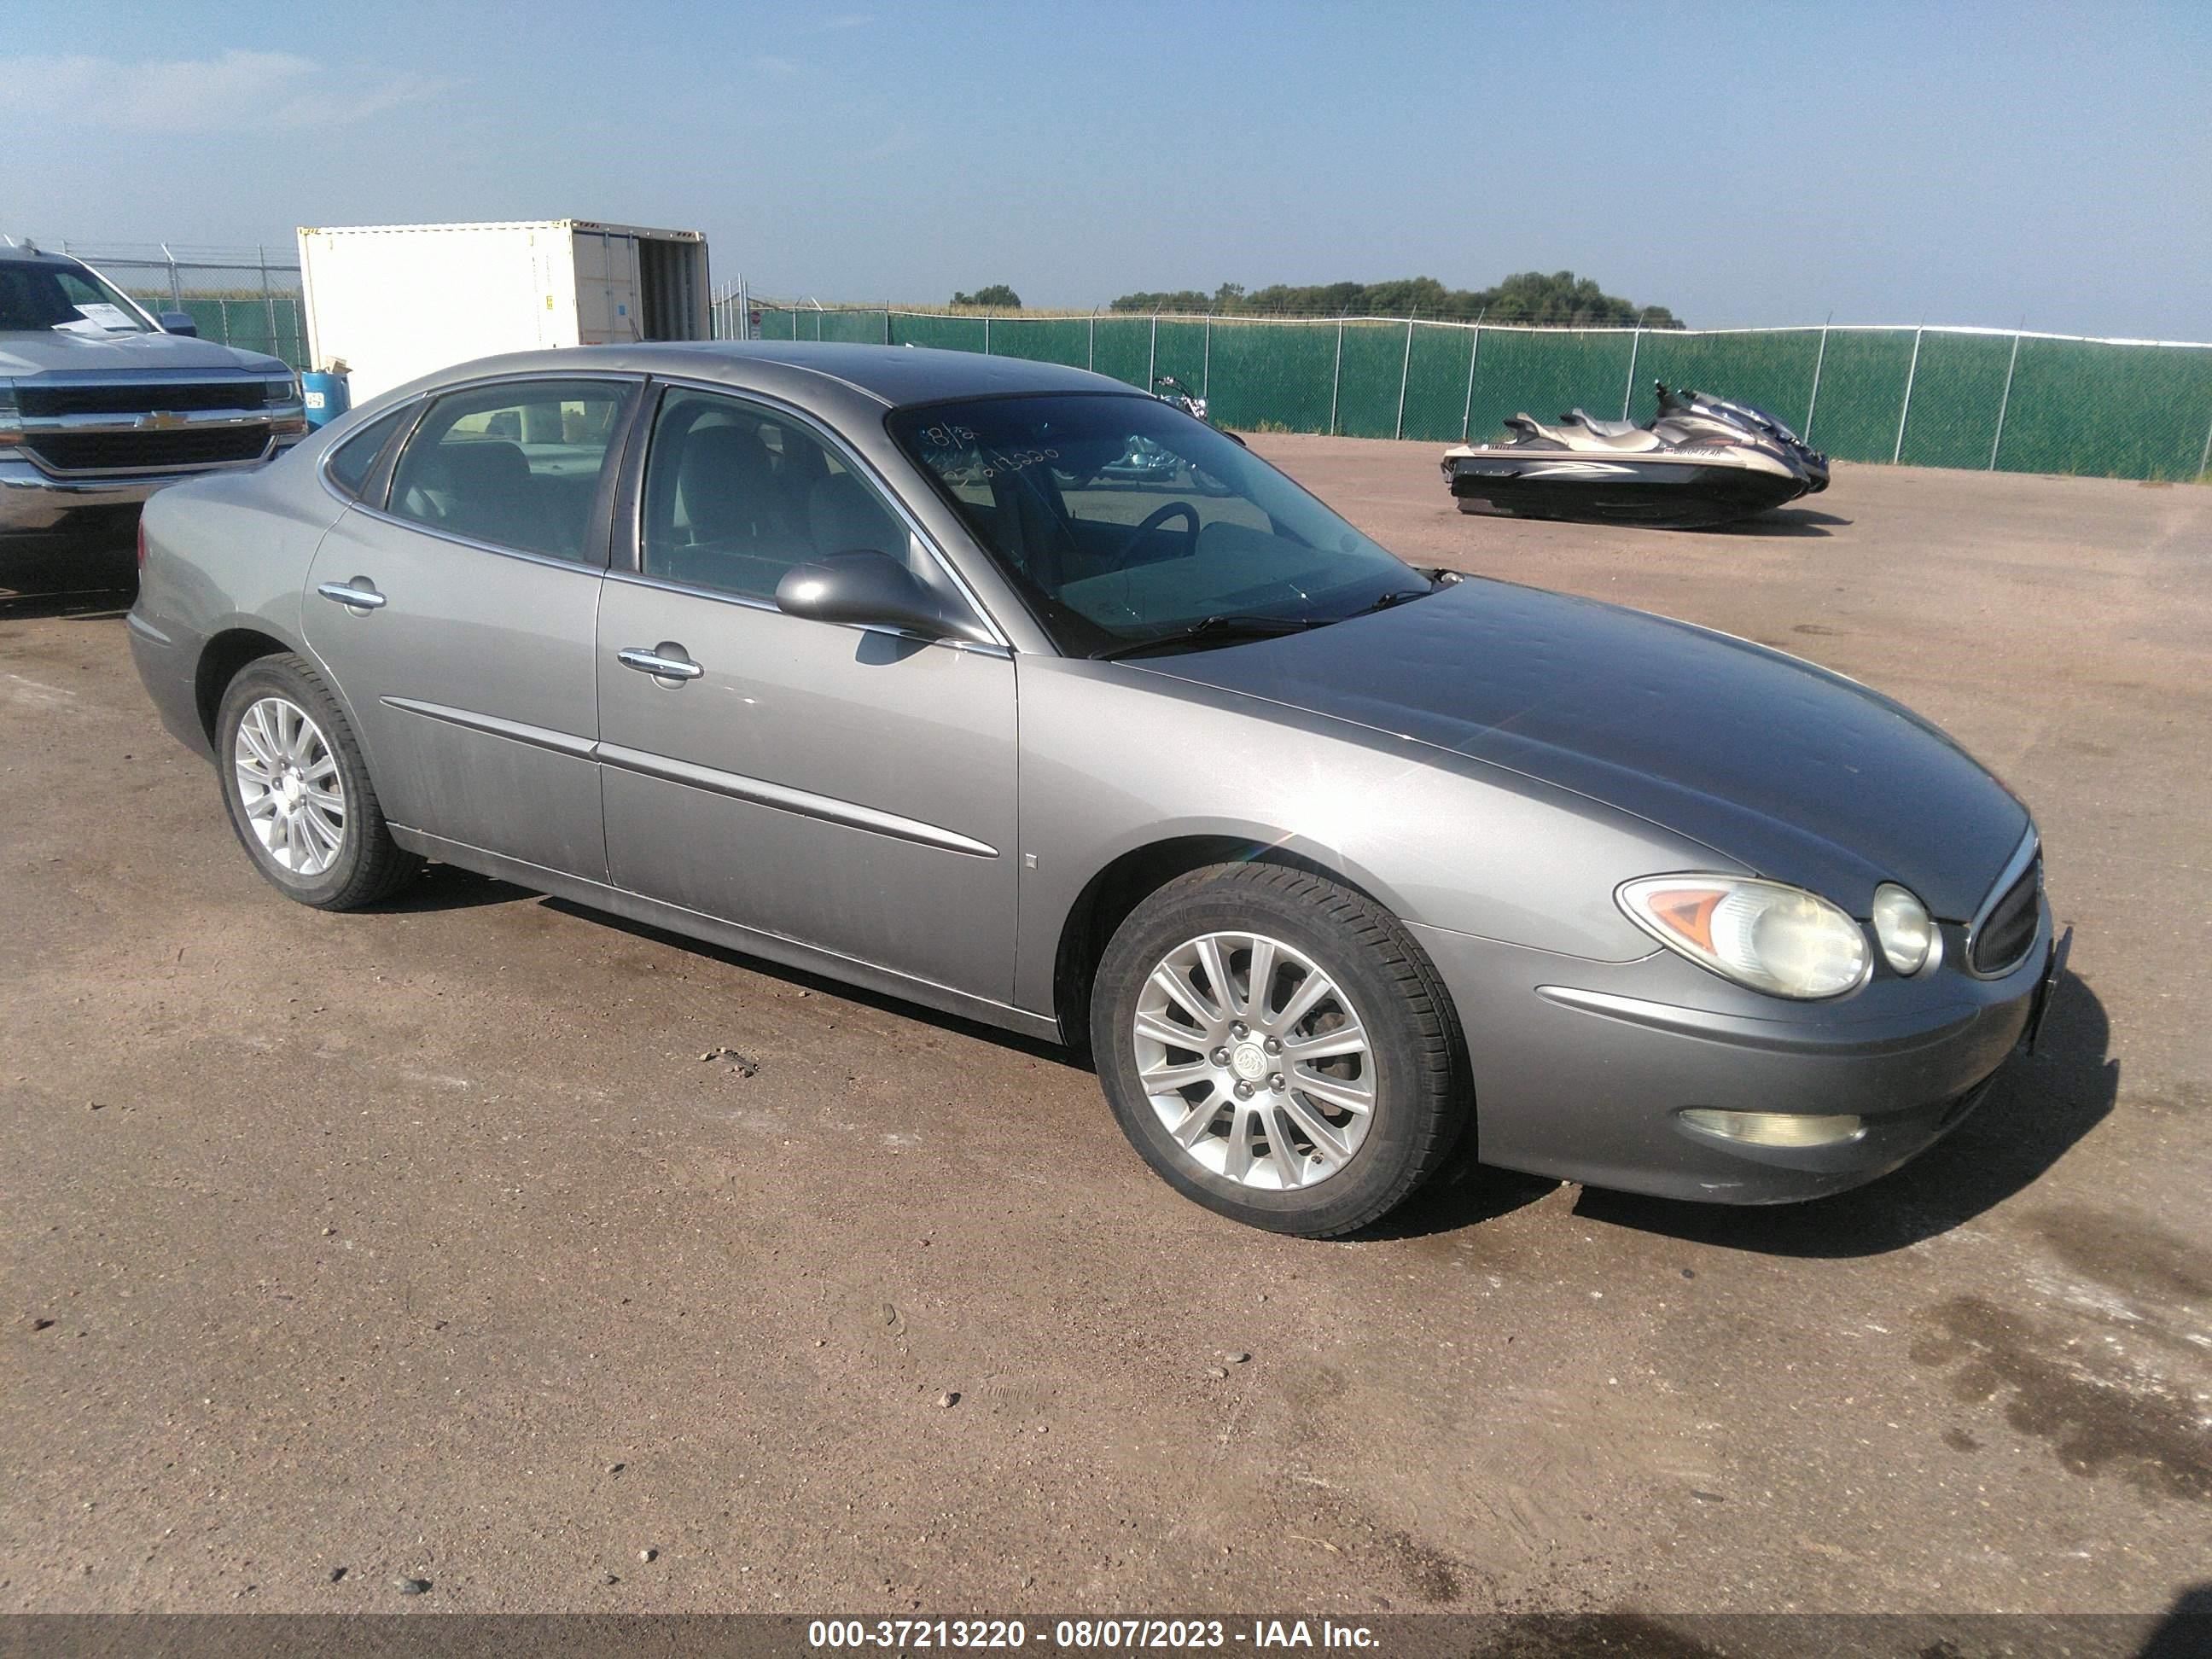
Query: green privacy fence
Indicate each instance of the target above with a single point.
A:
(1926, 396)
(235, 296)
(271, 323)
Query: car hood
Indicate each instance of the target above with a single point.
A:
(1794, 772)
(46, 351)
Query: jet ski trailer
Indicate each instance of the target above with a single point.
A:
(1692, 468)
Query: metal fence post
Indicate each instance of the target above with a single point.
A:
(268, 299)
(986, 334)
(1152, 354)
(1090, 350)
(1813, 402)
(176, 294)
(1905, 413)
(2005, 403)
(1466, 414)
(1335, 377)
(1206, 363)
(2204, 461)
(887, 322)
(1404, 374)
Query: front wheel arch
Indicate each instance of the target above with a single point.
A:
(1406, 1049)
(1131, 878)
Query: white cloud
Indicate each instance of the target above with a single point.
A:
(781, 68)
(236, 92)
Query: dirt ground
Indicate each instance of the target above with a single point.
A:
(421, 1243)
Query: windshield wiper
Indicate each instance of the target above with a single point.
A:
(1399, 597)
(1222, 629)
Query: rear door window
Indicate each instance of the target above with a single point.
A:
(516, 465)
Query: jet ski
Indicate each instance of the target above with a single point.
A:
(1752, 419)
(1699, 462)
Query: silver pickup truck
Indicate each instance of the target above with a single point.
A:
(102, 404)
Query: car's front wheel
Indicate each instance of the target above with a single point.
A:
(1277, 1047)
(298, 791)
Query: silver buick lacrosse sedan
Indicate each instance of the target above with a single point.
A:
(1016, 693)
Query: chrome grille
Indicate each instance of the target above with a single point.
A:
(139, 397)
(110, 452)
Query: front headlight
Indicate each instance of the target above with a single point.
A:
(286, 391)
(1775, 939)
(1908, 935)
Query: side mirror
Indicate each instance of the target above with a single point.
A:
(178, 322)
(870, 589)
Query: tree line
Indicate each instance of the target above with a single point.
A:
(1560, 299)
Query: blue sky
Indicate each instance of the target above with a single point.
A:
(1744, 164)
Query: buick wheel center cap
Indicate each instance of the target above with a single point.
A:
(1249, 1062)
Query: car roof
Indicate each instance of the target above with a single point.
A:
(17, 254)
(889, 375)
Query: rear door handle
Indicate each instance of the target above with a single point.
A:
(665, 661)
(358, 596)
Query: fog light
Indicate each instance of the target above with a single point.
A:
(1776, 1128)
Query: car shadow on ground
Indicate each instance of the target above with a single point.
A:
(85, 579)
(449, 887)
(2039, 1106)
(2186, 1628)
(1036, 1047)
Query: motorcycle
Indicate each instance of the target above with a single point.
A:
(1145, 462)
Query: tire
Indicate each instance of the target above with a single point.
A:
(1334, 1167)
(332, 858)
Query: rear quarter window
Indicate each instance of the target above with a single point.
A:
(355, 457)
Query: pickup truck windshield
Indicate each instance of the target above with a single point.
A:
(37, 297)
(1125, 522)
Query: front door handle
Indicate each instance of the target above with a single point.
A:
(358, 596)
(665, 662)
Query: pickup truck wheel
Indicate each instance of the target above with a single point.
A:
(298, 791)
(1277, 1048)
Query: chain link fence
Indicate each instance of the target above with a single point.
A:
(1986, 398)
(234, 296)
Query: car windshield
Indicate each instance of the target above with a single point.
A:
(1129, 524)
(41, 297)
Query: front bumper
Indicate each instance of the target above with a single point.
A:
(32, 499)
(1581, 1068)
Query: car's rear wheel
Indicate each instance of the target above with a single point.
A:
(298, 791)
(1277, 1047)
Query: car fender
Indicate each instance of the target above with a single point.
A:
(1114, 759)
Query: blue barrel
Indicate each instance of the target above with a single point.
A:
(326, 395)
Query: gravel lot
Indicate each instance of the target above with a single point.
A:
(423, 1243)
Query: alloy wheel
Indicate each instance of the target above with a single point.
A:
(1256, 1060)
(289, 786)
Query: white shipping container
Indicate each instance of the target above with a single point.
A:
(393, 302)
